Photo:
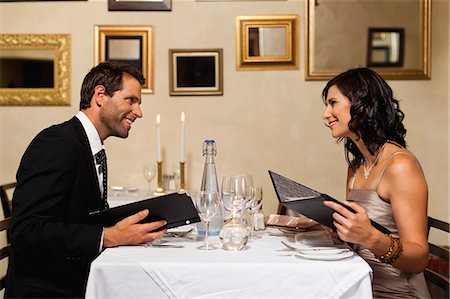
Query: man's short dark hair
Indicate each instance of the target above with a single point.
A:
(109, 74)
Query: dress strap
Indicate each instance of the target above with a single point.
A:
(387, 163)
(353, 181)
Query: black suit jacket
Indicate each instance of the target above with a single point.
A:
(52, 242)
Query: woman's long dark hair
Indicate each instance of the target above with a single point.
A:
(375, 113)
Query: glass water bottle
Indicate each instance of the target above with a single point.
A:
(209, 183)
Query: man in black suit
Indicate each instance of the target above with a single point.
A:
(59, 182)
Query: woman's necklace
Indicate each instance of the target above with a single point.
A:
(367, 171)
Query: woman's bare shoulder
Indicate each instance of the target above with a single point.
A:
(403, 172)
(403, 162)
(404, 175)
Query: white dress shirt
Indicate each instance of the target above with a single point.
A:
(94, 142)
(96, 145)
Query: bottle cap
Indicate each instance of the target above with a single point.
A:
(209, 147)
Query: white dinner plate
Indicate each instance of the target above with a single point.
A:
(324, 250)
(117, 188)
(181, 229)
(318, 238)
(325, 257)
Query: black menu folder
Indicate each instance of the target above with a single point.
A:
(307, 201)
(176, 208)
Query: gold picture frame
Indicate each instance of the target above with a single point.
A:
(329, 53)
(267, 42)
(195, 72)
(54, 50)
(130, 44)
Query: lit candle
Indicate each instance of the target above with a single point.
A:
(182, 138)
(158, 138)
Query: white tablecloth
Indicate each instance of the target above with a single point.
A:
(118, 198)
(263, 270)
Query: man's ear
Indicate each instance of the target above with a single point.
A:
(100, 95)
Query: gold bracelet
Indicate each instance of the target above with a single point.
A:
(388, 253)
(397, 252)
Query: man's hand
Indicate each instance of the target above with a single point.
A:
(129, 232)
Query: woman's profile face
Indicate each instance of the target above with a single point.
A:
(337, 113)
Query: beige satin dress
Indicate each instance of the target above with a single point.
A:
(388, 282)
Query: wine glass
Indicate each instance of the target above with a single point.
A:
(235, 191)
(253, 206)
(207, 204)
(228, 196)
(149, 171)
(242, 185)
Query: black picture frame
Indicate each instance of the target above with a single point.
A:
(161, 5)
(379, 50)
(110, 50)
(195, 72)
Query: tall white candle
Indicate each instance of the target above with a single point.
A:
(182, 137)
(158, 138)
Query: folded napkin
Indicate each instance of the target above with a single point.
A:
(289, 221)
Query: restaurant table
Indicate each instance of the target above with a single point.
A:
(264, 269)
(126, 196)
(130, 195)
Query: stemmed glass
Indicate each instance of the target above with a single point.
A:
(227, 193)
(236, 192)
(254, 205)
(243, 185)
(207, 205)
(149, 172)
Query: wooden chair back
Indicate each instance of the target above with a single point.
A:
(437, 271)
(6, 199)
(4, 250)
(282, 210)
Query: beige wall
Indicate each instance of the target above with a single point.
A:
(265, 119)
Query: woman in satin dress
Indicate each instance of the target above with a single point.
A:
(385, 183)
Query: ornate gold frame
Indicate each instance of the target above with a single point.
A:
(424, 72)
(59, 95)
(246, 62)
(143, 32)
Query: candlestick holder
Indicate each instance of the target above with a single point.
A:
(182, 186)
(159, 189)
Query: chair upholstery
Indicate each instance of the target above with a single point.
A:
(437, 271)
(282, 210)
(6, 200)
(4, 250)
